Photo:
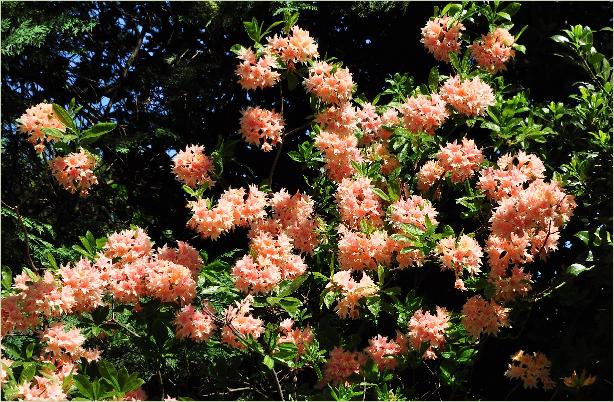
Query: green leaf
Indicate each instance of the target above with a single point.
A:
(29, 350)
(127, 382)
(64, 117)
(381, 194)
(560, 38)
(28, 372)
(54, 132)
(577, 269)
(7, 278)
(84, 386)
(269, 362)
(286, 288)
(583, 235)
(109, 373)
(98, 130)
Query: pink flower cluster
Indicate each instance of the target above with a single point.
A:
(193, 324)
(298, 47)
(339, 151)
(294, 214)
(341, 120)
(128, 245)
(482, 316)
(34, 120)
(461, 160)
(256, 72)
(331, 84)
(240, 324)
(494, 50)
(383, 351)
(341, 365)
(42, 388)
(460, 253)
(193, 167)
(424, 113)
(512, 173)
(299, 337)
(232, 210)
(412, 211)
(357, 201)
(429, 173)
(468, 97)
(440, 40)
(359, 251)
(370, 123)
(184, 254)
(261, 127)
(352, 292)
(425, 327)
(530, 369)
(75, 172)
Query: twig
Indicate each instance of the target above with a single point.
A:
(278, 154)
(25, 235)
(114, 321)
(281, 393)
(161, 384)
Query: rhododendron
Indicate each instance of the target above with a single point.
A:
(461, 160)
(357, 202)
(360, 251)
(184, 254)
(193, 324)
(383, 352)
(341, 120)
(339, 153)
(34, 120)
(509, 179)
(85, 284)
(128, 245)
(370, 123)
(137, 395)
(352, 292)
(482, 316)
(440, 40)
(493, 50)
(261, 127)
(379, 152)
(424, 113)
(239, 323)
(75, 172)
(468, 97)
(530, 369)
(460, 253)
(256, 72)
(413, 211)
(41, 388)
(294, 214)
(342, 364)
(299, 337)
(429, 173)
(193, 167)
(331, 85)
(61, 342)
(170, 282)
(426, 328)
(298, 47)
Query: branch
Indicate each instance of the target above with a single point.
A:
(281, 394)
(25, 236)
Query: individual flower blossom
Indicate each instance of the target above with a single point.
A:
(370, 123)
(359, 251)
(357, 201)
(458, 254)
(339, 153)
(340, 120)
(193, 324)
(34, 120)
(426, 328)
(352, 292)
(136, 395)
(429, 173)
(413, 211)
(461, 160)
(299, 337)
(298, 47)
(424, 113)
(332, 85)
(530, 369)
(383, 352)
(128, 245)
(240, 323)
(41, 388)
(86, 285)
(468, 97)
(440, 40)
(170, 282)
(379, 152)
(261, 127)
(256, 72)
(184, 254)
(341, 365)
(75, 172)
(493, 50)
(193, 167)
(482, 316)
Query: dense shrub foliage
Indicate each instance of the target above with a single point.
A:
(441, 234)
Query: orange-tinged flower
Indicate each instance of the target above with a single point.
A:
(579, 381)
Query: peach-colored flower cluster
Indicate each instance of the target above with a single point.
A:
(299, 337)
(429, 173)
(493, 50)
(370, 123)
(424, 113)
(294, 214)
(352, 292)
(412, 211)
(298, 47)
(461, 160)
(42, 388)
(359, 251)
(341, 365)
(128, 245)
(138, 394)
(232, 210)
(339, 151)
(34, 120)
(460, 253)
(184, 254)
(530, 369)
(383, 351)
(440, 40)
(468, 97)
(482, 316)
(256, 72)
(67, 346)
(193, 167)
(357, 201)
(85, 283)
(194, 324)
(261, 127)
(425, 327)
(512, 173)
(240, 323)
(75, 172)
(341, 120)
(332, 85)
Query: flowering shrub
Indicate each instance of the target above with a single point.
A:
(424, 234)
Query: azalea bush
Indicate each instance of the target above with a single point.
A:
(431, 233)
